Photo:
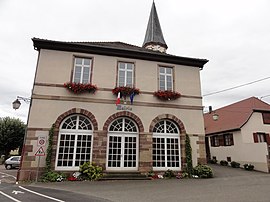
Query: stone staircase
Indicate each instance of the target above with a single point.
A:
(124, 176)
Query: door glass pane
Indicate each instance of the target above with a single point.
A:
(172, 152)
(130, 152)
(158, 152)
(114, 155)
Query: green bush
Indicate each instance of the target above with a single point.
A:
(90, 171)
(52, 176)
(203, 171)
(248, 166)
(223, 163)
(169, 174)
(235, 164)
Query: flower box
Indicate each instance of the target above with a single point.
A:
(78, 88)
(125, 91)
(167, 95)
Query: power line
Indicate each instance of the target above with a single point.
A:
(232, 88)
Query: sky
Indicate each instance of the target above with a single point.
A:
(233, 35)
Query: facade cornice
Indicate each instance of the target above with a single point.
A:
(117, 52)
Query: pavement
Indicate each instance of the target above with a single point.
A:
(228, 185)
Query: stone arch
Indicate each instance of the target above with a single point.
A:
(170, 117)
(77, 111)
(124, 114)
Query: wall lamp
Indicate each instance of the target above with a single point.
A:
(215, 115)
(16, 104)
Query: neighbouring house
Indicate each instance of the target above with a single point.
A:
(123, 107)
(240, 134)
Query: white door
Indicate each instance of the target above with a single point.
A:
(122, 147)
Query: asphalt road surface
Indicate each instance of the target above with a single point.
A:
(14, 192)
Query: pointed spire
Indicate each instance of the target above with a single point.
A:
(153, 37)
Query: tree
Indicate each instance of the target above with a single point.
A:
(188, 156)
(11, 135)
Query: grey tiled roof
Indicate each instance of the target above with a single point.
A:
(153, 32)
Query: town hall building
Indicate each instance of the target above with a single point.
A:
(120, 106)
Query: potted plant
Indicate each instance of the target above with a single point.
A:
(167, 95)
(248, 166)
(78, 88)
(126, 91)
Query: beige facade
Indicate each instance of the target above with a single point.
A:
(52, 103)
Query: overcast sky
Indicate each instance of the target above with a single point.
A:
(234, 35)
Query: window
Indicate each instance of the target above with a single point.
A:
(82, 70)
(165, 78)
(166, 146)
(261, 137)
(222, 140)
(125, 74)
(74, 143)
(228, 139)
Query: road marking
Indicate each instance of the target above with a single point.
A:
(17, 192)
(10, 197)
(8, 175)
(33, 192)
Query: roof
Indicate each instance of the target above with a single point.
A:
(234, 116)
(153, 33)
(118, 49)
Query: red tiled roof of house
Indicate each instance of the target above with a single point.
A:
(234, 116)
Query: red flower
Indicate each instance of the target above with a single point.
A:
(80, 87)
(72, 178)
(125, 91)
(167, 95)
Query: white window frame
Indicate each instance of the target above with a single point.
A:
(261, 137)
(126, 71)
(167, 136)
(82, 67)
(166, 75)
(75, 132)
(123, 133)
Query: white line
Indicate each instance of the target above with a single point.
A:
(9, 175)
(33, 192)
(9, 196)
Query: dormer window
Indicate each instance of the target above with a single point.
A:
(82, 70)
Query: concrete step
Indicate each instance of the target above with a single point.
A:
(124, 176)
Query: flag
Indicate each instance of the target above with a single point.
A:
(118, 99)
(131, 97)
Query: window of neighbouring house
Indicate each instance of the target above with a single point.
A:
(228, 139)
(165, 78)
(82, 70)
(166, 146)
(125, 74)
(222, 140)
(266, 117)
(74, 143)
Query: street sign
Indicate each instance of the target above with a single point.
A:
(40, 152)
(41, 141)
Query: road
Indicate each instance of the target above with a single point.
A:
(228, 185)
(13, 192)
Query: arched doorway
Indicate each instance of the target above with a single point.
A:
(166, 146)
(75, 142)
(122, 145)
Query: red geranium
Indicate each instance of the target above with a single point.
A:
(80, 87)
(167, 95)
(125, 91)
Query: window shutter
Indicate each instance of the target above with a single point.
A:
(255, 137)
(267, 138)
(231, 136)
